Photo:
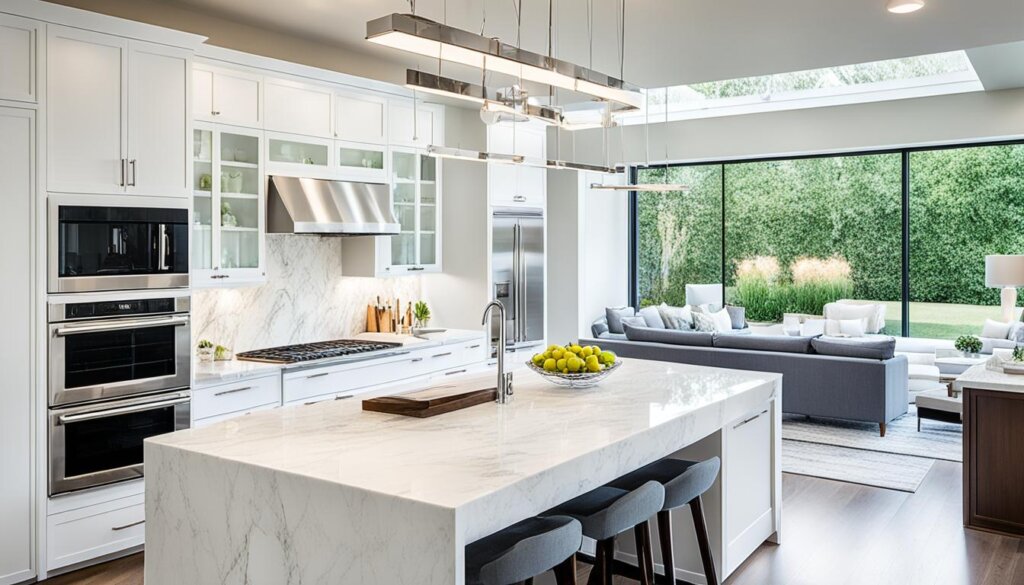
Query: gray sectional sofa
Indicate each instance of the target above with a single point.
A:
(822, 377)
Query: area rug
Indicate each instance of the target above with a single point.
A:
(854, 452)
(885, 470)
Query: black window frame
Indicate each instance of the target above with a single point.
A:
(904, 152)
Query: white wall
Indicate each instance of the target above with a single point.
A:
(564, 272)
(933, 120)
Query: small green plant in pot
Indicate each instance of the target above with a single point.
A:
(1018, 354)
(422, 314)
(205, 350)
(968, 344)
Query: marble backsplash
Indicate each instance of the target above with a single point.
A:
(306, 298)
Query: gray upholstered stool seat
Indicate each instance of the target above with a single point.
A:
(524, 550)
(684, 482)
(608, 511)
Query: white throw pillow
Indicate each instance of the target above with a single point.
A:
(847, 311)
(846, 327)
(812, 327)
(722, 320)
(996, 329)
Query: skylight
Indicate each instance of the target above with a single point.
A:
(927, 75)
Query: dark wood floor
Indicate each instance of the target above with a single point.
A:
(834, 533)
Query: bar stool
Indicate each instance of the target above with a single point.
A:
(606, 512)
(684, 482)
(524, 550)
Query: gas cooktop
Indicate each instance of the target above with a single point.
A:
(307, 352)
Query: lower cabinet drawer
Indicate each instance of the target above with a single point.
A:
(216, 419)
(217, 401)
(88, 533)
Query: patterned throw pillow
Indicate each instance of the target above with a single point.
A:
(680, 318)
(703, 322)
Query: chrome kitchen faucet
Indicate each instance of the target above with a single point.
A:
(504, 380)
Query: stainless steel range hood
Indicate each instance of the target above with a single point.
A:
(340, 208)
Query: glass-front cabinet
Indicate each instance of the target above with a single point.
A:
(415, 188)
(356, 161)
(228, 222)
(299, 156)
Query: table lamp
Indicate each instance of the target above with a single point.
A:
(1006, 272)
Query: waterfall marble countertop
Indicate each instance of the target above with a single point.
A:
(386, 488)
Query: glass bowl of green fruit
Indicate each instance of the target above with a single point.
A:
(573, 365)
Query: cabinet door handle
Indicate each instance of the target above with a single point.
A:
(116, 528)
(220, 276)
(753, 418)
(519, 198)
(320, 375)
(447, 353)
(232, 391)
(124, 164)
(412, 268)
(215, 113)
(453, 372)
(132, 168)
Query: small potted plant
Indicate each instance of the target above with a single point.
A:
(1016, 363)
(422, 314)
(205, 350)
(968, 345)
(222, 354)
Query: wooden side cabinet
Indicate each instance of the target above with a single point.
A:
(994, 460)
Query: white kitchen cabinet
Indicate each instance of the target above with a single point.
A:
(748, 484)
(294, 155)
(17, 180)
(235, 399)
(226, 96)
(361, 118)
(421, 126)
(90, 532)
(297, 108)
(19, 41)
(358, 161)
(229, 206)
(116, 115)
(517, 185)
(158, 117)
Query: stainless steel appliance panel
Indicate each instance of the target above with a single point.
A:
(99, 444)
(503, 269)
(517, 265)
(531, 282)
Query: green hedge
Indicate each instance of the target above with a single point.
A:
(965, 203)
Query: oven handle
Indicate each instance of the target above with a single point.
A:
(72, 418)
(163, 247)
(122, 324)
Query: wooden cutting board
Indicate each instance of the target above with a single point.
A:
(434, 400)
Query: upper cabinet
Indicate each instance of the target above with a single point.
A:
(517, 185)
(19, 39)
(421, 126)
(117, 115)
(361, 118)
(226, 96)
(297, 108)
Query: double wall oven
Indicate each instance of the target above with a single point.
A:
(119, 336)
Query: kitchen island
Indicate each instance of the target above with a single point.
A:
(328, 493)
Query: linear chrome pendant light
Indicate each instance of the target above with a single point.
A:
(415, 34)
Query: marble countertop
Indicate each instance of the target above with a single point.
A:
(206, 374)
(644, 410)
(427, 340)
(983, 378)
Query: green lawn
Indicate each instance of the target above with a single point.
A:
(940, 320)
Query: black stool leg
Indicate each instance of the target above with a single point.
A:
(644, 552)
(665, 538)
(601, 574)
(703, 542)
(565, 573)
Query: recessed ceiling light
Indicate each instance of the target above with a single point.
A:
(904, 6)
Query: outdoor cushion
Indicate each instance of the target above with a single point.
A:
(615, 315)
(704, 294)
(652, 317)
(738, 315)
(872, 313)
(847, 327)
(812, 327)
(996, 329)
(781, 343)
(702, 321)
(722, 320)
(876, 349)
(669, 336)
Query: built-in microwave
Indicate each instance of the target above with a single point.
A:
(112, 345)
(104, 243)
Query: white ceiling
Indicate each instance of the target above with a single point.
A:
(669, 42)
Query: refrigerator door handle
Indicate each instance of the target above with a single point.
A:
(517, 260)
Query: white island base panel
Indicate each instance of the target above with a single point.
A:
(327, 493)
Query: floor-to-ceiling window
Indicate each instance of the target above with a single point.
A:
(801, 232)
(679, 238)
(965, 203)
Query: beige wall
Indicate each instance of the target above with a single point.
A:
(243, 37)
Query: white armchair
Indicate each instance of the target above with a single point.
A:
(874, 313)
(704, 294)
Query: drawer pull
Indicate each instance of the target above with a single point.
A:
(453, 372)
(232, 391)
(345, 397)
(753, 418)
(447, 353)
(320, 375)
(519, 198)
(472, 346)
(126, 526)
(414, 360)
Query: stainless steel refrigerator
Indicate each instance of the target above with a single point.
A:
(517, 267)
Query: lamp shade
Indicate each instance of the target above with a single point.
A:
(1001, 271)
